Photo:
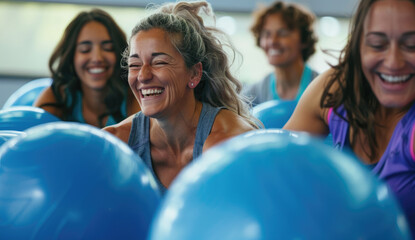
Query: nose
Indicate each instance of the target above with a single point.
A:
(394, 58)
(274, 38)
(145, 73)
(97, 54)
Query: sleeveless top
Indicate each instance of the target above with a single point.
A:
(139, 139)
(265, 90)
(77, 116)
(396, 166)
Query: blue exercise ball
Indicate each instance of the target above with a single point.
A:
(274, 184)
(27, 94)
(6, 135)
(74, 181)
(274, 113)
(20, 118)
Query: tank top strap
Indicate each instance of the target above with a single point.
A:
(77, 109)
(339, 128)
(139, 142)
(139, 134)
(272, 86)
(204, 127)
(306, 78)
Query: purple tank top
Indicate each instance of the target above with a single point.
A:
(397, 164)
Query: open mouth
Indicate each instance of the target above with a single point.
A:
(96, 70)
(151, 92)
(274, 52)
(395, 79)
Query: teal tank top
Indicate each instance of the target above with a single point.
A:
(77, 110)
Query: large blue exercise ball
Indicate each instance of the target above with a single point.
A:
(273, 184)
(27, 94)
(274, 113)
(73, 181)
(6, 135)
(20, 118)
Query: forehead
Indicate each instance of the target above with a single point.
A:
(93, 30)
(274, 19)
(391, 15)
(153, 40)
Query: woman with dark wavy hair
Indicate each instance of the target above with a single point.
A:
(89, 85)
(367, 100)
(284, 31)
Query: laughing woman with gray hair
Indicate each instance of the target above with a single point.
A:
(190, 102)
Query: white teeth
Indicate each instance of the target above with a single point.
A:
(152, 91)
(395, 79)
(96, 70)
(274, 52)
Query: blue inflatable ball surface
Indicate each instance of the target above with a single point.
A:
(73, 181)
(273, 184)
(6, 135)
(27, 94)
(24, 117)
(274, 113)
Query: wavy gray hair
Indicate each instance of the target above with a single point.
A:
(199, 43)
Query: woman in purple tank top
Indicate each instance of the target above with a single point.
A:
(366, 101)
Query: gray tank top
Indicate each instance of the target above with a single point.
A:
(139, 139)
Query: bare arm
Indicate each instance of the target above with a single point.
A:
(121, 130)
(47, 96)
(308, 116)
(227, 125)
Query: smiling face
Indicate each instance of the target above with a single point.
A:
(157, 74)
(281, 44)
(388, 52)
(94, 58)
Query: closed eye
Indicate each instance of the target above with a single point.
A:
(107, 46)
(84, 47)
(134, 66)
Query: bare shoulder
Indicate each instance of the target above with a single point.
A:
(122, 129)
(308, 115)
(227, 124)
(44, 97)
(47, 97)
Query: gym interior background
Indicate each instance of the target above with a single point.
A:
(31, 29)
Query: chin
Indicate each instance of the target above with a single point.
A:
(396, 103)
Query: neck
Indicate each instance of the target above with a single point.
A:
(386, 115)
(290, 75)
(288, 80)
(179, 130)
(94, 101)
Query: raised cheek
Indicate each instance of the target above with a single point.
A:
(132, 78)
(263, 43)
(112, 60)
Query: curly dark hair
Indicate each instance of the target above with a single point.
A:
(61, 66)
(295, 16)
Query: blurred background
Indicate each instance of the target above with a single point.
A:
(31, 29)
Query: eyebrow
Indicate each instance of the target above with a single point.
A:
(135, 55)
(106, 41)
(88, 42)
(381, 34)
(406, 34)
(85, 43)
